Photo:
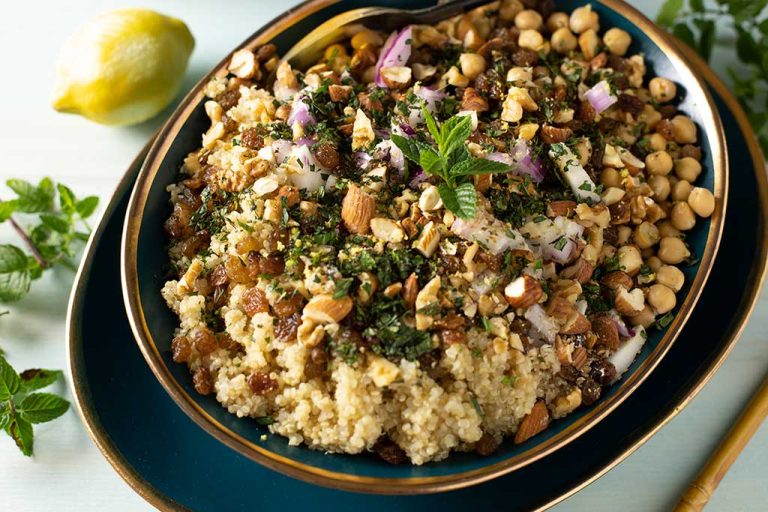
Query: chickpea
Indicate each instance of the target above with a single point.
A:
(610, 177)
(660, 186)
(531, 39)
(659, 162)
(528, 20)
(654, 262)
(645, 318)
(681, 190)
(630, 259)
(557, 20)
(682, 216)
(662, 89)
(671, 277)
(334, 51)
(455, 77)
(583, 19)
(366, 37)
(509, 9)
(589, 42)
(623, 233)
(563, 40)
(683, 130)
(687, 168)
(672, 250)
(657, 142)
(617, 41)
(472, 65)
(646, 235)
(667, 229)
(661, 298)
(701, 201)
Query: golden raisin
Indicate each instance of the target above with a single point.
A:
(326, 155)
(236, 270)
(261, 383)
(289, 304)
(255, 301)
(202, 380)
(218, 276)
(181, 348)
(205, 341)
(252, 139)
(452, 337)
(287, 326)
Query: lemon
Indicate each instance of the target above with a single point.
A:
(123, 66)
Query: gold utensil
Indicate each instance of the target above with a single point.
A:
(308, 50)
(699, 492)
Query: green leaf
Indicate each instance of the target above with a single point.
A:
(432, 125)
(407, 146)
(341, 288)
(14, 273)
(744, 10)
(473, 166)
(685, 34)
(430, 161)
(86, 206)
(668, 12)
(461, 200)
(66, 199)
(5, 417)
(6, 209)
(32, 380)
(746, 47)
(454, 132)
(10, 382)
(56, 223)
(706, 37)
(697, 5)
(21, 432)
(32, 199)
(763, 26)
(42, 407)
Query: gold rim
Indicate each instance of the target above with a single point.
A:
(713, 128)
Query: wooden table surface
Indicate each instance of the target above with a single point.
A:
(68, 472)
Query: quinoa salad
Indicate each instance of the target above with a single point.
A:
(432, 239)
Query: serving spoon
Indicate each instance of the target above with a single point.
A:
(309, 49)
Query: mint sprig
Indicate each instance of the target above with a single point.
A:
(449, 159)
(21, 407)
(60, 227)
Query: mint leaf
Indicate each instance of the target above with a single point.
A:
(6, 210)
(430, 161)
(21, 432)
(86, 207)
(685, 34)
(14, 273)
(5, 417)
(432, 125)
(341, 288)
(461, 200)
(42, 407)
(453, 133)
(54, 222)
(32, 380)
(66, 199)
(473, 166)
(408, 146)
(32, 199)
(10, 382)
(668, 12)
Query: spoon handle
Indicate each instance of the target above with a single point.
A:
(699, 492)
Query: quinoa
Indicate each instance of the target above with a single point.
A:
(333, 284)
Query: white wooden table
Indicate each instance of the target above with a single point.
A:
(68, 473)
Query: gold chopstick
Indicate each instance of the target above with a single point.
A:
(699, 492)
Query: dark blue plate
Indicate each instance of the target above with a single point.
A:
(145, 261)
(175, 464)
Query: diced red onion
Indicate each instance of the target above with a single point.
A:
(309, 177)
(395, 52)
(388, 151)
(418, 177)
(563, 228)
(282, 149)
(305, 141)
(624, 331)
(300, 112)
(362, 159)
(493, 234)
(600, 96)
(521, 161)
(430, 97)
(623, 358)
(407, 130)
(543, 324)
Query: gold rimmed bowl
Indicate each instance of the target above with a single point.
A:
(144, 261)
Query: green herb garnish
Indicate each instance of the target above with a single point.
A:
(449, 159)
(20, 407)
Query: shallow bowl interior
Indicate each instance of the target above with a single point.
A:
(145, 263)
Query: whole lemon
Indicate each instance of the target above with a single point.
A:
(123, 66)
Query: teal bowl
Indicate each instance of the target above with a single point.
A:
(144, 260)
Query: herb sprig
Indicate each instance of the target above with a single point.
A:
(21, 406)
(449, 159)
(697, 23)
(61, 227)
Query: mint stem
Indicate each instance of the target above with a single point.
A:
(28, 242)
